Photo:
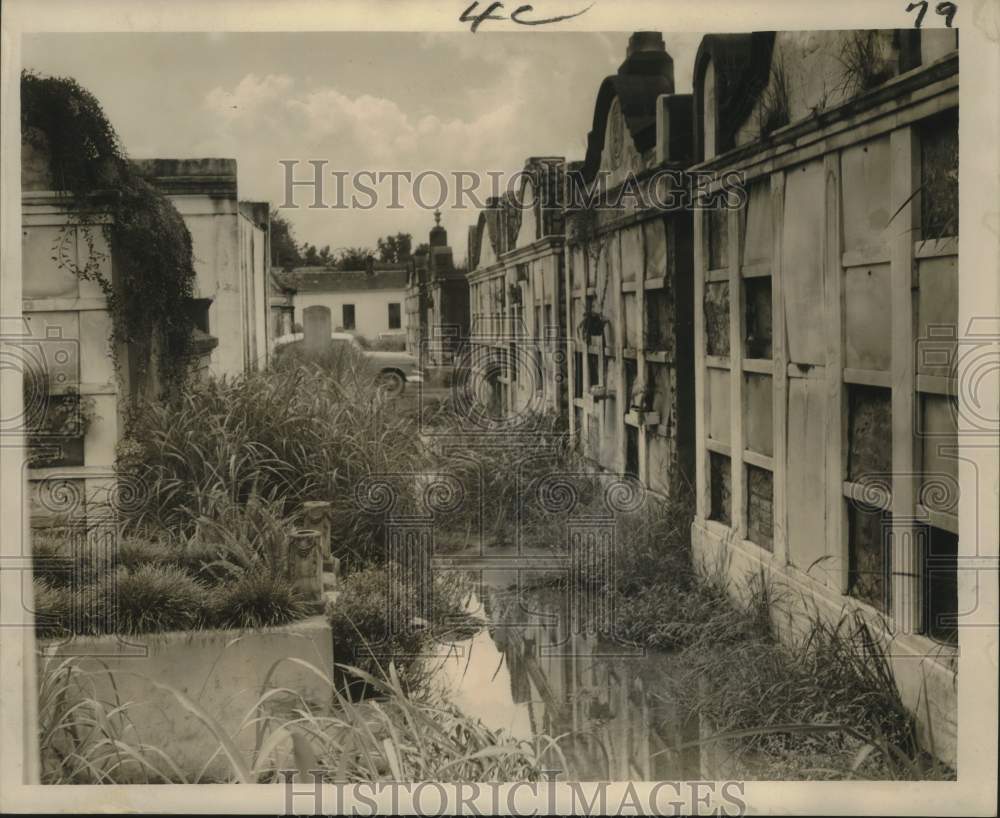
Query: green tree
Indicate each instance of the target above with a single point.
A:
(395, 249)
(353, 258)
(285, 251)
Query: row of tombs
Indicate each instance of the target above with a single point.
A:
(784, 341)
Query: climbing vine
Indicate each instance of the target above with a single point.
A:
(149, 293)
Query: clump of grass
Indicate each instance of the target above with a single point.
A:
(379, 618)
(414, 738)
(257, 599)
(53, 609)
(373, 620)
(865, 65)
(500, 480)
(134, 552)
(156, 598)
(151, 599)
(774, 109)
(231, 537)
(229, 574)
(825, 707)
(52, 557)
(393, 735)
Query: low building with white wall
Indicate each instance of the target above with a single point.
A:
(368, 302)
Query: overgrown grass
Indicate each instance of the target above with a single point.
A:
(823, 706)
(86, 740)
(500, 478)
(220, 577)
(378, 618)
(226, 468)
(256, 600)
(864, 61)
(392, 736)
(155, 598)
(300, 431)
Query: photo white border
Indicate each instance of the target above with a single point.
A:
(975, 792)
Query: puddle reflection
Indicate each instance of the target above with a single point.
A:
(528, 673)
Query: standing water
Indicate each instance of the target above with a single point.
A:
(529, 672)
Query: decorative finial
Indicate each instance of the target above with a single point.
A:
(437, 216)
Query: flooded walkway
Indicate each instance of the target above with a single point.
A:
(531, 671)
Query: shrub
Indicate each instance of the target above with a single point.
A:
(375, 599)
(231, 538)
(157, 598)
(84, 610)
(499, 481)
(52, 557)
(347, 366)
(654, 545)
(361, 623)
(257, 599)
(53, 610)
(134, 552)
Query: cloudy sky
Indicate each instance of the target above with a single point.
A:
(362, 101)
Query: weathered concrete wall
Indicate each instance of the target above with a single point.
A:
(255, 259)
(230, 247)
(68, 317)
(636, 273)
(807, 448)
(516, 291)
(68, 330)
(223, 672)
(215, 238)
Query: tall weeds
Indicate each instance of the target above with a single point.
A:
(85, 740)
(294, 433)
(394, 736)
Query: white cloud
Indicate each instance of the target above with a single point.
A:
(248, 97)
(530, 96)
